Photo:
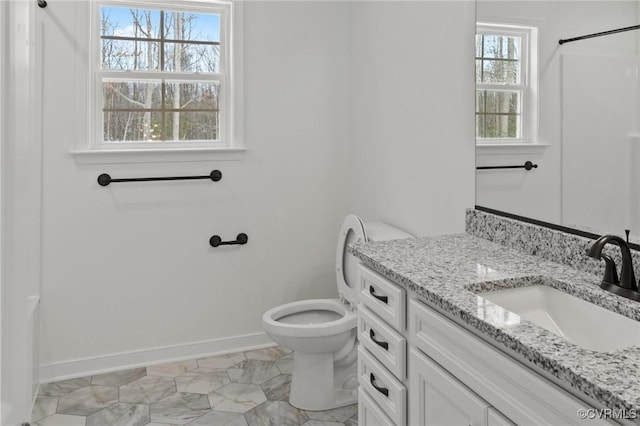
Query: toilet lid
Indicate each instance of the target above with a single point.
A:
(352, 231)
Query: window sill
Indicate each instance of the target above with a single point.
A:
(511, 148)
(124, 156)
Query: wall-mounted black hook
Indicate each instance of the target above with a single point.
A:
(42, 3)
(216, 241)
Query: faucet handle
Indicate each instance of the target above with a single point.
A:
(610, 273)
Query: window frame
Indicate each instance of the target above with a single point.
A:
(528, 86)
(229, 77)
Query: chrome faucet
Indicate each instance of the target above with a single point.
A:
(626, 286)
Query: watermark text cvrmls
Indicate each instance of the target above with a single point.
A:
(607, 413)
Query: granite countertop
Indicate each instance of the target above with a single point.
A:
(443, 271)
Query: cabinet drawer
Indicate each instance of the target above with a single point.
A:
(389, 394)
(369, 414)
(383, 297)
(383, 342)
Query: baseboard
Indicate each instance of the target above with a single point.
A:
(83, 367)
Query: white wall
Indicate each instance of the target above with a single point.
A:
(20, 168)
(128, 267)
(346, 111)
(539, 193)
(413, 118)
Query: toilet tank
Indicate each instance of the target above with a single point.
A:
(378, 231)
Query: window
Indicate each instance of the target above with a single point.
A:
(506, 80)
(162, 74)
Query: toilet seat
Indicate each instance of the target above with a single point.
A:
(345, 322)
(352, 231)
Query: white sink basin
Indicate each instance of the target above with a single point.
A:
(577, 320)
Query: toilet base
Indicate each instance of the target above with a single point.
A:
(314, 387)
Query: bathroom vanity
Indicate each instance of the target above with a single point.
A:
(434, 350)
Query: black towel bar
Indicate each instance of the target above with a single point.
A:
(105, 179)
(216, 241)
(600, 34)
(528, 165)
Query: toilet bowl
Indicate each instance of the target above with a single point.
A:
(322, 332)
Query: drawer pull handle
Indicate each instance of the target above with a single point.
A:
(383, 391)
(383, 345)
(383, 299)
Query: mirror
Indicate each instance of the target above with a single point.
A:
(587, 137)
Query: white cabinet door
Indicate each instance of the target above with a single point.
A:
(369, 413)
(436, 398)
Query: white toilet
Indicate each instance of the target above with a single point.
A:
(322, 332)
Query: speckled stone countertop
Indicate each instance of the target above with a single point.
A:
(444, 271)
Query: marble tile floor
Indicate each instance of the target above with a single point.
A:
(241, 389)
